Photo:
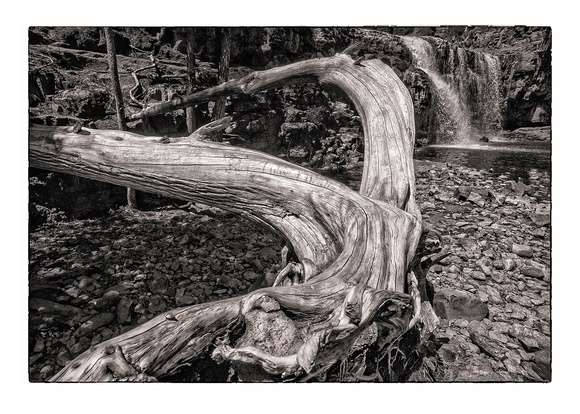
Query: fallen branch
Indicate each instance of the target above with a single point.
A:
(355, 250)
(138, 85)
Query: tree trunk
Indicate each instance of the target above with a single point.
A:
(219, 110)
(191, 81)
(118, 93)
(356, 275)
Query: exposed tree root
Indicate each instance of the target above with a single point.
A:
(355, 289)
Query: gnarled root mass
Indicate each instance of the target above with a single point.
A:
(357, 284)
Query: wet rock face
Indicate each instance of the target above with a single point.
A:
(524, 54)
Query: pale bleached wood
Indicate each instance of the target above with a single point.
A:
(355, 248)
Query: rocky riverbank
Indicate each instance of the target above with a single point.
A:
(93, 279)
(493, 292)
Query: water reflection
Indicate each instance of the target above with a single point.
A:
(523, 160)
(528, 161)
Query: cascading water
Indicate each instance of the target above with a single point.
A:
(453, 121)
(467, 88)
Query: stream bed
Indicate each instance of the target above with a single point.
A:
(516, 159)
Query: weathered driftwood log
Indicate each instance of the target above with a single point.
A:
(356, 251)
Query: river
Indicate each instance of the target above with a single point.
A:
(518, 160)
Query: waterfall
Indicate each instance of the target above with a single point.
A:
(466, 84)
(453, 121)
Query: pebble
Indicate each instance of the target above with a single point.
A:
(478, 275)
(157, 283)
(185, 300)
(108, 300)
(475, 232)
(87, 284)
(124, 311)
(522, 250)
(95, 323)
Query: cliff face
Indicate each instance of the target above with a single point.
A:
(69, 82)
(467, 61)
(525, 54)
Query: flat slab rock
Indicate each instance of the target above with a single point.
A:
(458, 304)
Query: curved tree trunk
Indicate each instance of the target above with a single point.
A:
(356, 251)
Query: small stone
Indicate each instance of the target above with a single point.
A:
(489, 253)
(478, 275)
(183, 239)
(522, 250)
(521, 300)
(257, 265)
(73, 292)
(96, 322)
(201, 252)
(499, 198)
(86, 284)
(249, 275)
(534, 269)
(443, 196)
(124, 311)
(529, 343)
(479, 335)
(125, 287)
(46, 372)
(533, 272)
(462, 192)
(158, 284)
(519, 188)
(445, 336)
(227, 281)
(82, 345)
(498, 264)
(509, 264)
(539, 232)
(540, 220)
(38, 345)
(156, 304)
(34, 358)
(483, 296)
(460, 323)
(44, 306)
(512, 365)
(185, 300)
(62, 358)
(108, 300)
(476, 199)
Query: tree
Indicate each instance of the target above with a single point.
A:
(357, 284)
(118, 93)
(191, 81)
(219, 110)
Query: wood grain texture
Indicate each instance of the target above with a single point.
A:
(355, 248)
